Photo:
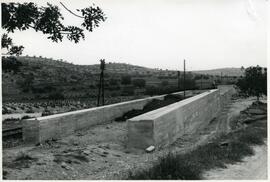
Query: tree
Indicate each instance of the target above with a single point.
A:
(164, 83)
(127, 91)
(139, 83)
(113, 82)
(11, 64)
(254, 82)
(151, 90)
(126, 80)
(48, 20)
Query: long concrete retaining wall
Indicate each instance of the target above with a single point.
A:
(40, 129)
(163, 126)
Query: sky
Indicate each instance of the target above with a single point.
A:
(208, 34)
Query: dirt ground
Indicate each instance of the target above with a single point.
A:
(252, 168)
(100, 152)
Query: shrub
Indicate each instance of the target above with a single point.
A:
(151, 90)
(139, 83)
(164, 83)
(254, 83)
(127, 91)
(11, 64)
(126, 80)
(56, 96)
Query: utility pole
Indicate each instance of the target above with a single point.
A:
(221, 78)
(184, 85)
(201, 81)
(178, 76)
(101, 82)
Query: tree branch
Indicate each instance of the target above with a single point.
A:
(70, 11)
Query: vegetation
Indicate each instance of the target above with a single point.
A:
(22, 160)
(164, 83)
(153, 105)
(11, 64)
(139, 82)
(56, 96)
(38, 78)
(127, 90)
(254, 82)
(45, 19)
(126, 80)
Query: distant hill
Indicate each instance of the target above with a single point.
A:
(39, 78)
(223, 71)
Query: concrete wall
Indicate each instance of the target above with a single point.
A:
(40, 129)
(163, 126)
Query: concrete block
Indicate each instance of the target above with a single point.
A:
(163, 126)
(59, 125)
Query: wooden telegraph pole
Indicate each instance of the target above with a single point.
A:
(201, 81)
(178, 76)
(184, 79)
(221, 78)
(101, 82)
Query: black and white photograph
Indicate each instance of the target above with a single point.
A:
(134, 89)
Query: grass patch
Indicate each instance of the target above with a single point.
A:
(23, 157)
(190, 166)
(23, 160)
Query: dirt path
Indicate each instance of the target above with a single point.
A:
(230, 112)
(99, 153)
(253, 167)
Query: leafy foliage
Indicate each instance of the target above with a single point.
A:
(127, 90)
(126, 80)
(11, 64)
(8, 44)
(48, 20)
(139, 83)
(92, 17)
(254, 83)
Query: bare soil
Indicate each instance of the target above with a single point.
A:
(100, 152)
(252, 168)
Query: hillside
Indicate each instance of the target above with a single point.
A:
(223, 71)
(37, 77)
(27, 78)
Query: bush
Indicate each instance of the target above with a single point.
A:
(164, 83)
(254, 83)
(26, 117)
(113, 82)
(152, 90)
(127, 91)
(56, 96)
(92, 86)
(11, 64)
(139, 83)
(126, 80)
